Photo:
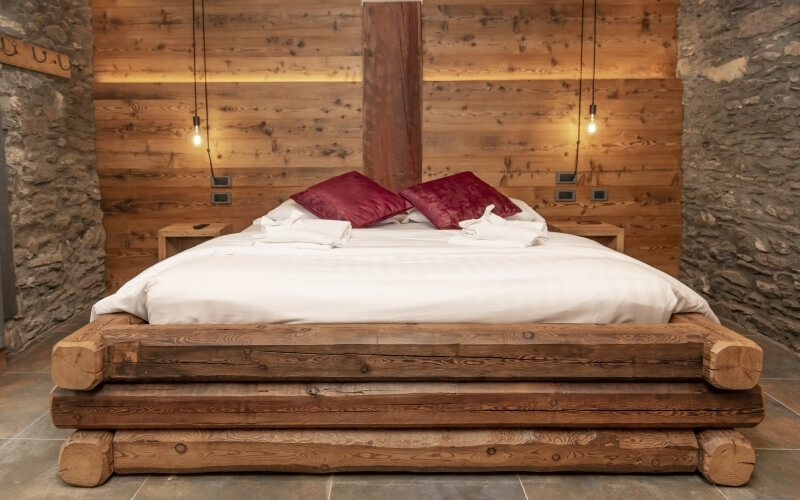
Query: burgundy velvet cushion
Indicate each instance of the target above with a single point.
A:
(449, 200)
(352, 197)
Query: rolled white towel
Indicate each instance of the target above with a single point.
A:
(298, 230)
(491, 227)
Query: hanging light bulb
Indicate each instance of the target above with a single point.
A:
(197, 139)
(592, 124)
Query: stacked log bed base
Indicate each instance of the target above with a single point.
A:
(406, 397)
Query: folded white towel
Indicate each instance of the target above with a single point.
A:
(494, 231)
(301, 231)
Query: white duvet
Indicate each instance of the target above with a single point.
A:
(402, 273)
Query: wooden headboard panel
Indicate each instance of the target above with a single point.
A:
(498, 97)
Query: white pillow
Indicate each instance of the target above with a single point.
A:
(285, 209)
(527, 214)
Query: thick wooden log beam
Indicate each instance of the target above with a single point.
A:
(86, 458)
(730, 361)
(2, 359)
(392, 352)
(78, 361)
(117, 347)
(392, 93)
(406, 405)
(327, 451)
(727, 457)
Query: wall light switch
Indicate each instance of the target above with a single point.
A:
(565, 195)
(221, 198)
(566, 177)
(599, 195)
(219, 181)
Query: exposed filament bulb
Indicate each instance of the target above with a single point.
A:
(592, 128)
(197, 139)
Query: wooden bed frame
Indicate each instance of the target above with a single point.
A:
(325, 398)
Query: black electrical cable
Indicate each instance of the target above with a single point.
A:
(580, 96)
(194, 55)
(205, 84)
(594, 56)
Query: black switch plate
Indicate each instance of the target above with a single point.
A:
(565, 195)
(599, 195)
(221, 198)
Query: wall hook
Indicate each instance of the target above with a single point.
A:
(44, 55)
(5, 51)
(61, 64)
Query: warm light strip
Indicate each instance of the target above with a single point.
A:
(112, 78)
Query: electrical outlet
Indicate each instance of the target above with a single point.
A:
(565, 195)
(219, 181)
(221, 198)
(566, 177)
(599, 195)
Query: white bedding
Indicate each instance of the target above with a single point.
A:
(402, 273)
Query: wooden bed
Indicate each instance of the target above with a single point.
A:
(652, 398)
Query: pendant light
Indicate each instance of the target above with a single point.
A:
(592, 128)
(197, 139)
(580, 95)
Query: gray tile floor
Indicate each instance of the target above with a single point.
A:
(29, 449)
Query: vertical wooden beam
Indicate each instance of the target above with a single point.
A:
(393, 93)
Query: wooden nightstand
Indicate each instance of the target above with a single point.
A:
(182, 236)
(607, 234)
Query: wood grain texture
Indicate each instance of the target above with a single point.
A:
(406, 405)
(525, 40)
(286, 110)
(392, 94)
(727, 457)
(248, 40)
(731, 360)
(324, 451)
(78, 361)
(517, 134)
(86, 458)
(392, 352)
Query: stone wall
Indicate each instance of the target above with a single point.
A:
(740, 64)
(50, 154)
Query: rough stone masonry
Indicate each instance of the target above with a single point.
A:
(50, 156)
(740, 64)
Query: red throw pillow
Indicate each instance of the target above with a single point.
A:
(352, 197)
(449, 200)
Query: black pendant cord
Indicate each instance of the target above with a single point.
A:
(594, 53)
(205, 85)
(580, 96)
(194, 54)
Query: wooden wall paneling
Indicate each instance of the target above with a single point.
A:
(285, 99)
(286, 109)
(524, 40)
(517, 134)
(392, 94)
(499, 99)
(248, 41)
